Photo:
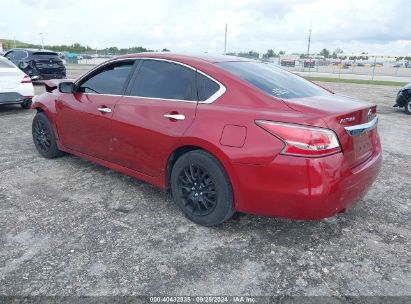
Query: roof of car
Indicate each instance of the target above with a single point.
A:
(33, 50)
(186, 56)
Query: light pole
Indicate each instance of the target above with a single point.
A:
(225, 40)
(42, 42)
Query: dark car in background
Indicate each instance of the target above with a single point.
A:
(38, 64)
(403, 99)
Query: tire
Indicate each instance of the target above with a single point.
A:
(201, 188)
(44, 138)
(407, 106)
(26, 105)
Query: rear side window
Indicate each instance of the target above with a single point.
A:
(108, 80)
(273, 80)
(20, 55)
(165, 80)
(6, 64)
(206, 87)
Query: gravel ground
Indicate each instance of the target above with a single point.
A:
(70, 227)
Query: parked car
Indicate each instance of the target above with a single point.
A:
(309, 63)
(38, 64)
(15, 86)
(403, 99)
(288, 62)
(225, 134)
(87, 56)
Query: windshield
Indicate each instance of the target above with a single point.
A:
(273, 80)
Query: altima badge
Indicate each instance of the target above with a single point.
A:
(347, 119)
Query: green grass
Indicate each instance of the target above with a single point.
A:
(358, 81)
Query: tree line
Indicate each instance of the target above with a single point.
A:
(77, 48)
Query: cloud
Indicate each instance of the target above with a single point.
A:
(42, 23)
(198, 26)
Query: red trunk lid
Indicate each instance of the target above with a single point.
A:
(339, 112)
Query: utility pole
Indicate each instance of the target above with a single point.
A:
(308, 51)
(225, 40)
(309, 41)
(42, 42)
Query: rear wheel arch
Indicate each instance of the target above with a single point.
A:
(180, 151)
(202, 188)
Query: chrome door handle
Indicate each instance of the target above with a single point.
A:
(175, 116)
(104, 110)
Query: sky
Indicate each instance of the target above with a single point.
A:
(376, 27)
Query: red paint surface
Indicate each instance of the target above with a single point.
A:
(137, 140)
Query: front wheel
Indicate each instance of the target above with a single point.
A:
(407, 106)
(202, 189)
(43, 137)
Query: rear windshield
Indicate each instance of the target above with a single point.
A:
(45, 55)
(273, 80)
(6, 64)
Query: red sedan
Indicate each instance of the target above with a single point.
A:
(224, 133)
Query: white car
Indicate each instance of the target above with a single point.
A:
(15, 86)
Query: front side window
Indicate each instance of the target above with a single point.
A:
(165, 80)
(273, 80)
(109, 80)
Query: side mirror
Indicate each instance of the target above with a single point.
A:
(66, 87)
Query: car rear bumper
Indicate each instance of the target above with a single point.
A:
(41, 76)
(45, 74)
(303, 188)
(12, 98)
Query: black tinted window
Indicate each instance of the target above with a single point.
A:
(109, 80)
(19, 55)
(161, 79)
(206, 87)
(273, 80)
(45, 55)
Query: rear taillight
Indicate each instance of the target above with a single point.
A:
(302, 140)
(26, 79)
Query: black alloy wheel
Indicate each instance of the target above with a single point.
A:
(43, 137)
(202, 189)
(197, 190)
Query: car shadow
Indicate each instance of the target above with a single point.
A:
(284, 232)
(12, 108)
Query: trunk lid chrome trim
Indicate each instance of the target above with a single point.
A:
(362, 128)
